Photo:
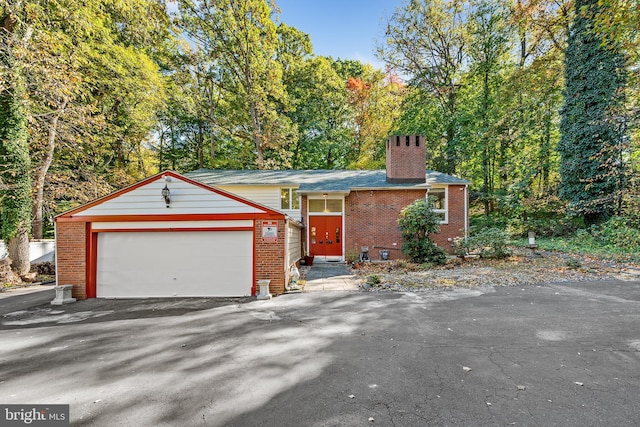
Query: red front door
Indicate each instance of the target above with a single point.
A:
(325, 235)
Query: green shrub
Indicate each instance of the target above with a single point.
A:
(417, 221)
(373, 279)
(573, 263)
(615, 233)
(487, 243)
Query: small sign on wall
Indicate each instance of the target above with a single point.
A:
(270, 231)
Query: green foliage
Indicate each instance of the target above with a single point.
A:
(373, 279)
(617, 238)
(15, 174)
(373, 99)
(427, 41)
(483, 84)
(616, 234)
(318, 109)
(593, 121)
(573, 263)
(546, 216)
(239, 43)
(494, 120)
(352, 255)
(15, 171)
(487, 243)
(417, 221)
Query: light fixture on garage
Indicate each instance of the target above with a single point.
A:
(167, 195)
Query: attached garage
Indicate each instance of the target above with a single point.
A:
(143, 264)
(169, 236)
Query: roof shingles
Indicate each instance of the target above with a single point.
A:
(312, 181)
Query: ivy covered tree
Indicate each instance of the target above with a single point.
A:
(14, 143)
(592, 119)
(417, 222)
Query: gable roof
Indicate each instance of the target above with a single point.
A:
(187, 197)
(310, 181)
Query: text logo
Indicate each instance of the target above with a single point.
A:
(34, 415)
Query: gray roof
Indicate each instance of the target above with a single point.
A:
(310, 181)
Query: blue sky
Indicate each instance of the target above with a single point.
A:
(346, 29)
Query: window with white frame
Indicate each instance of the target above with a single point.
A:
(325, 205)
(289, 199)
(440, 203)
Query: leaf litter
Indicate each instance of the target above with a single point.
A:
(521, 268)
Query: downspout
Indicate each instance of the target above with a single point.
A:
(286, 253)
(55, 249)
(466, 211)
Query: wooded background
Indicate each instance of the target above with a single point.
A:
(534, 101)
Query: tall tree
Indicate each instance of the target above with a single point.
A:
(534, 92)
(426, 40)
(240, 37)
(93, 88)
(374, 98)
(14, 143)
(488, 47)
(319, 110)
(592, 119)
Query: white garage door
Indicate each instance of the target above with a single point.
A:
(166, 264)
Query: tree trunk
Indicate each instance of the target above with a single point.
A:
(212, 140)
(200, 145)
(487, 180)
(257, 135)
(18, 248)
(41, 175)
(450, 149)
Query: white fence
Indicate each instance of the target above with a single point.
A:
(39, 250)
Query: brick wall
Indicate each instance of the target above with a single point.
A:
(456, 220)
(406, 161)
(271, 258)
(71, 256)
(371, 219)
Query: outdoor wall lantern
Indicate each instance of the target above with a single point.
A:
(166, 194)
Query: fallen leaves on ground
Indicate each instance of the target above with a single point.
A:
(523, 267)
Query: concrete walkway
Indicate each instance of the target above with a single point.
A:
(330, 276)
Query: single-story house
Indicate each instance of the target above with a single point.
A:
(216, 232)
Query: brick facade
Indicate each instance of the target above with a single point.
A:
(371, 219)
(406, 159)
(456, 222)
(270, 258)
(71, 256)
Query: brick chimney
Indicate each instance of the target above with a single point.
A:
(406, 159)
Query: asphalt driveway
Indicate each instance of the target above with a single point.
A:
(564, 354)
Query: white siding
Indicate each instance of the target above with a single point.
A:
(293, 243)
(186, 198)
(267, 195)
